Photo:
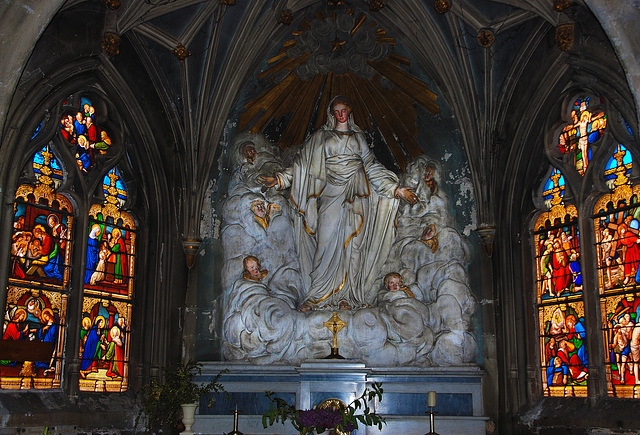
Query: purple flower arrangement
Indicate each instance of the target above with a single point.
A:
(343, 418)
(322, 419)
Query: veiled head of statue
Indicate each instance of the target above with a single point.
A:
(332, 117)
(339, 99)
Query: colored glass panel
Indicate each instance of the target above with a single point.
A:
(557, 245)
(114, 187)
(108, 289)
(36, 131)
(558, 257)
(79, 128)
(553, 189)
(617, 223)
(110, 255)
(586, 128)
(621, 339)
(47, 168)
(40, 259)
(563, 350)
(564, 364)
(104, 349)
(40, 249)
(33, 338)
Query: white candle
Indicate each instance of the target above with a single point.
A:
(431, 399)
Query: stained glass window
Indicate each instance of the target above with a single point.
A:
(588, 121)
(563, 353)
(108, 291)
(38, 286)
(617, 221)
(79, 128)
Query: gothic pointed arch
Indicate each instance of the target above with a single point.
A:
(117, 141)
(594, 233)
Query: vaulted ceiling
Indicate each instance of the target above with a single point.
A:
(208, 56)
(257, 63)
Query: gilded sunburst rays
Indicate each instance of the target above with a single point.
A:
(341, 54)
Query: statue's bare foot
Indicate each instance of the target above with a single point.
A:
(344, 305)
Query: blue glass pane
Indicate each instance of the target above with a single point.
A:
(36, 131)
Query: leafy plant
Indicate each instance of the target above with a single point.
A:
(160, 400)
(343, 418)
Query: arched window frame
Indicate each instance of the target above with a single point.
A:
(585, 188)
(83, 189)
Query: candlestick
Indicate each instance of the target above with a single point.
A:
(432, 423)
(235, 423)
(431, 403)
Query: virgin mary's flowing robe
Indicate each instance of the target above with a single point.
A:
(344, 225)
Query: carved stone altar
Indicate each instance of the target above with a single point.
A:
(421, 319)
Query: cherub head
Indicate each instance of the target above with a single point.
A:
(393, 281)
(252, 268)
(429, 232)
(430, 237)
(259, 209)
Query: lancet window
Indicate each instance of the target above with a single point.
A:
(560, 294)
(46, 242)
(108, 291)
(39, 279)
(591, 161)
(616, 220)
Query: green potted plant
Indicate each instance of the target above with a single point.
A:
(338, 419)
(161, 400)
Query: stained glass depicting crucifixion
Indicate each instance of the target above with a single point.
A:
(588, 121)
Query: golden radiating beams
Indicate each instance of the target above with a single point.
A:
(408, 84)
(383, 122)
(296, 129)
(289, 64)
(264, 101)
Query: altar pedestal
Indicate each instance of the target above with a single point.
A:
(404, 402)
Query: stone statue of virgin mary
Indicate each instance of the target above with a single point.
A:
(345, 205)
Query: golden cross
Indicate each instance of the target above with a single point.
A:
(335, 324)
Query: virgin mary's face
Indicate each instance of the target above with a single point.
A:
(341, 113)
